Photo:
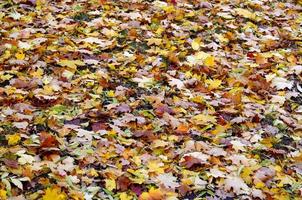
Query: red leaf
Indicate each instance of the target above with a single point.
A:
(189, 161)
(174, 2)
(47, 140)
(123, 183)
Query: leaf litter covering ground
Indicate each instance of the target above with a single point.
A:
(150, 100)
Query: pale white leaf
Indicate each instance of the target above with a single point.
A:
(236, 184)
(17, 183)
(168, 180)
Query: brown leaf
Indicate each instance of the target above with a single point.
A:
(190, 161)
(161, 109)
(99, 126)
(123, 183)
(43, 102)
(123, 108)
(47, 140)
(147, 135)
(11, 163)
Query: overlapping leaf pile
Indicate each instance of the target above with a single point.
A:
(150, 100)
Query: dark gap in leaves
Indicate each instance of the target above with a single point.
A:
(4, 83)
(8, 129)
(81, 17)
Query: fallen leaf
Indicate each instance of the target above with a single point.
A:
(236, 184)
(54, 194)
(110, 184)
(71, 63)
(13, 139)
(209, 61)
(168, 180)
(20, 55)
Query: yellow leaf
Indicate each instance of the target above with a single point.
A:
(110, 184)
(144, 196)
(38, 73)
(159, 31)
(140, 175)
(125, 196)
(246, 175)
(155, 41)
(268, 142)
(198, 99)
(245, 13)
(152, 194)
(109, 33)
(71, 63)
(5, 55)
(3, 195)
(222, 39)
(110, 93)
(168, 9)
(155, 166)
(220, 129)
(259, 185)
(196, 44)
(38, 4)
(13, 139)
(202, 55)
(20, 55)
(209, 61)
(204, 119)
(54, 194)
(137, 160)
(213, 84)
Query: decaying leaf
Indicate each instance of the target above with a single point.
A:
(150, 100)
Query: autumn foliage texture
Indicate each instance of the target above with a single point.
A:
(150, 100)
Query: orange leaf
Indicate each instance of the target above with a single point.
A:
(47, 140)
(182, 129)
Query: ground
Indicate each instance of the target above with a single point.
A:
(150, 100)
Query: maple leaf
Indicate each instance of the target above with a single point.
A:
(3, 194)
(123, 183)
(168, 180)
(20, 55)
(204, 119)
(155, 166)
(66, 165)
(215, 172)
(213, 84)
(245, 13)
(71, 63)
(24, 158)
(125, 196)
(237, 145)
(156, 41)
(13, 139)
(209, 61)
(176, 82)
(196, 43)
(153, 194)
(110, 184)
(191, 159)
(54, 194)
(47, 140)
(236, 184)
(281, 83)
(144, 82)
(150, 99)
(199, 58)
